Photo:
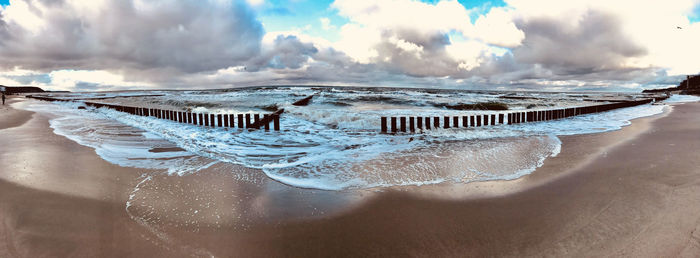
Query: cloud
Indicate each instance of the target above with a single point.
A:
(183, 36)
(526, 44)
(595, 43)
(283, 52)
(326, 24)
(414, 38)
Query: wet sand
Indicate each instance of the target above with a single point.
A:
(10, 117)
(632, 192)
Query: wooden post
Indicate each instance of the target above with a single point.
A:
(212, 117)
(493, 119)
(206, 119)
(256, 118)
(276, 122)
(230, 120)
(500, 118)
(455, 121)
(446, 122)
(412, 124)
(220, 121)
(427, 123)
(267, 125)
(240, 121)
(419, 122)
(394, 129)
(384, 124)
(403, 124)
(436, 122)
(472, 121)
(465, 121)
(247, 120)
(478, 120)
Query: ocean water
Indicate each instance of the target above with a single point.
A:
(334, 143)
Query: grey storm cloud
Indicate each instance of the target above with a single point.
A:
(432, 60)
(596, 44)
(180, 36)
(285, 52)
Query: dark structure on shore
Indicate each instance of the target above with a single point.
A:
(20, 89)
(419, 124)
(691, 85)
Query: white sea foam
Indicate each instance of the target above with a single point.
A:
(682, 99)
(332, 144)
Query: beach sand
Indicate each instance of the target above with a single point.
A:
(632, 192)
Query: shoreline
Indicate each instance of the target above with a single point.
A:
(571, 205)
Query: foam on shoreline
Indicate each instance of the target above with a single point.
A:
(329, 147)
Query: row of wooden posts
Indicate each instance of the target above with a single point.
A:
(248, 121)
(414, 124)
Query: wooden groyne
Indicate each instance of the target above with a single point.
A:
(243, 121)
(414, 124)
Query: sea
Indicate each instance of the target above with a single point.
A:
(334, 143)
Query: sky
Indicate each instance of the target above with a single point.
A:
(621, 45)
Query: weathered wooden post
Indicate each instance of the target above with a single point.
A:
(394, 128)
(446, 122)
(267, 125)
(455, 122)
(240, 121)
(226, 120)
(220, 121)
(384, 124)
(412, 124)
(427, 123)
(403, 124)
(472, 121)
(256, 118)
(500, 118)
(493, 119)
(276, 122)
(419, 122)
(212, 117)
(436, 122)
(478, 120)
(247, 120)
(465, 121)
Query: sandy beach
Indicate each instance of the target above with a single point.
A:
(630, 193)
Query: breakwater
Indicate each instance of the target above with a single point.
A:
(415, 124)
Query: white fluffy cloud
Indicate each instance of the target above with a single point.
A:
(412, 37)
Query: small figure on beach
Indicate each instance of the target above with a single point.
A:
(3, 98)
